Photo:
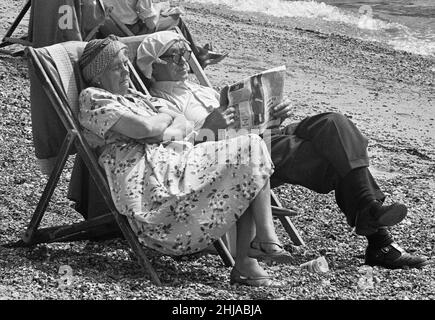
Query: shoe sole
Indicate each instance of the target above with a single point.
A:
(236, 278)
(393, 216)
(281, 259)
(394, 267)
(278, 257)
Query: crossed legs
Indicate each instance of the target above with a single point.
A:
(327, 152)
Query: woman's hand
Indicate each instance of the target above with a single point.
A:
(140, 127)
(180, 128)
(226, 118)
(181, 123)
(177, 131)
(170, 112)
(227, 114)
(282, 110)
(219, 119)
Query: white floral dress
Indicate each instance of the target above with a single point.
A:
(179, 198)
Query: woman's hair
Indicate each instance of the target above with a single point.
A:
(98, 55)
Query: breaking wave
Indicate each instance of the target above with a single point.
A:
(397, 35)
(306, 9)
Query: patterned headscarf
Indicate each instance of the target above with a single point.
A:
(98, 55)
(154, 46)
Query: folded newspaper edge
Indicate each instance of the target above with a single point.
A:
(254, 97)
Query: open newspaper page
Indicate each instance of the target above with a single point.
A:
(254, 97)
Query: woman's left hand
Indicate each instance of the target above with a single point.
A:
(178, 130)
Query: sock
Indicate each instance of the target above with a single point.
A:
(379, 239)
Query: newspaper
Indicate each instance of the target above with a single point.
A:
(254, 97)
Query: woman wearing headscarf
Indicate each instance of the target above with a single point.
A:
(179, 198)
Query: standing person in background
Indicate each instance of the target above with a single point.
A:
(143, 17)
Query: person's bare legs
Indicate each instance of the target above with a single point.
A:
(245, 234)
(262, 214)
(255, 223)
(266, 239)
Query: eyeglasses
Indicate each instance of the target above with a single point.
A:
(176, 57)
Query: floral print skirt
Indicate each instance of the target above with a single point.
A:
(180, 198)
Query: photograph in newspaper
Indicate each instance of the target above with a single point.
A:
(254, 97)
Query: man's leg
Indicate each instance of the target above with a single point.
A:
(327, 152)
(324, 148)
(335, 138)
(355, 191)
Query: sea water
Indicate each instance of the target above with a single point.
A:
(403, 25)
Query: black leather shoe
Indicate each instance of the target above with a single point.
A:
(393, 257)
(376, 215)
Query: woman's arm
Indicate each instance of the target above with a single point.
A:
(139, 127)
(173, 113)
(177, 131)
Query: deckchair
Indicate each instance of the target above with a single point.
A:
(62, 89)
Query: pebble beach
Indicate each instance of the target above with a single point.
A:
(388, 94)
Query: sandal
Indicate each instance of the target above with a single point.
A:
(257, 251)
(236, 277)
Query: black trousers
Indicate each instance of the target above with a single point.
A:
(319, 153)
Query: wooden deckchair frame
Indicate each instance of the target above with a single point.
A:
(86, 229)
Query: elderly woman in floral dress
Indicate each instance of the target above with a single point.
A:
(179, 198)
